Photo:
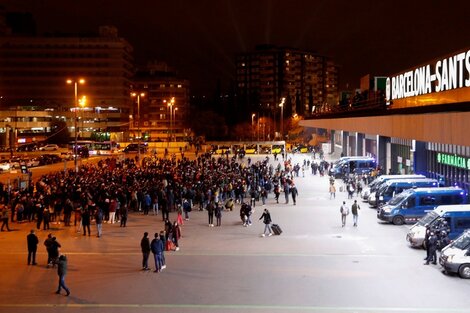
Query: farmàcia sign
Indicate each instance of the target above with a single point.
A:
(453, 160)
(446, 74)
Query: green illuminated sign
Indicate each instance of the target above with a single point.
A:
(454, 160)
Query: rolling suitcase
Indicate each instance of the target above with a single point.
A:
(276, 229)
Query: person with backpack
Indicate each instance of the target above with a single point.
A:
(355, 207)
(344, 212)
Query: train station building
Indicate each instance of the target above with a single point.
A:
(421, 127)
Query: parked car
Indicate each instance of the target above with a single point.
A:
(15, 162)
(27, 147)
(46, 159)
(33, 162)
(49, 147)
(133, 148)
(5, 165)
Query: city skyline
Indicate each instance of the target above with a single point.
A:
(202, 39)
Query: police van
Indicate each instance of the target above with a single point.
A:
(454, 219)
(393, 187)
(360, 165)
(455, 258)
(412, 204)
(375, 185)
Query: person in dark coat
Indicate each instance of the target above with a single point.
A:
(210, 213)
(266, 216)
(294, 193)
(157, 249)
(431, 245)
(145, 247)
(86, 221)
(124, 213)
(33, 241)
(218, 214)
(62, 271)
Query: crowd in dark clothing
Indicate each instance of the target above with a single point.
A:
(112, 188)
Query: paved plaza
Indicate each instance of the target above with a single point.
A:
(314, 266)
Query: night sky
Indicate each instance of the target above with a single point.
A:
(201, 37)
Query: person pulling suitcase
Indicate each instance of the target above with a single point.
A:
(266, 216)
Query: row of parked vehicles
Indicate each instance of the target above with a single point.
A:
(414, 199)
(16, 163)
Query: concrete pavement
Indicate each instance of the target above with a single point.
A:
(314, 266)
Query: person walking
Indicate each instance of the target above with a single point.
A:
(186, 209)
(266, 216)
(332, 191)
(5, 217)
(62, 271)
(344, 212)
(294, 193)
(33, 241)
(157, 248)
(99, 222)
(145, 247)
(354, 210)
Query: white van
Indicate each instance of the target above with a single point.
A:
(455, 258)
(456, 217)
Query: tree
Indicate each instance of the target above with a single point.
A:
(59, 133)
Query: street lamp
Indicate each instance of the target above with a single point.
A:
(253, 126)
(282, 117)
(75, 83)
(82, 103)
(138, 95)
(171, 103)
(174, 121)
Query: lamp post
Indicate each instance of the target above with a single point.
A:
(82, 103)
(174, 121)
(75, 83)
(253, 126)
(170, 106)
(282, 117)
(138, 95)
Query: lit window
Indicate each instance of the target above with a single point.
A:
(162, 85)
(243, 64)
(179, 86)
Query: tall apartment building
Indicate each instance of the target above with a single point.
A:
(307, 80)
(164, 108)
(33, 74)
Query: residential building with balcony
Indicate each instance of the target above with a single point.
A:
(308, 81)
(164, 108)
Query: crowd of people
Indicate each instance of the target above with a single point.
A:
(107, 191)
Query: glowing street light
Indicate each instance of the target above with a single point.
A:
(282, 117)
(170, 104)
(138, 96)
(75, 83)
(253, 126)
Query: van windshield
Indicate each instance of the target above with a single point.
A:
(462, 242)
(398, 199)
(428, 219)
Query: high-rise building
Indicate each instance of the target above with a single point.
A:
(307, 80)
(34, 70)
(164, 108)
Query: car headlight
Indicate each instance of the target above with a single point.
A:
(381, 198)
(386, 209)
(449, 258)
